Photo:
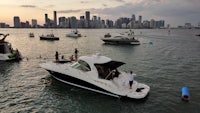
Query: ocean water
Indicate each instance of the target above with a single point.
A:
(166, 61)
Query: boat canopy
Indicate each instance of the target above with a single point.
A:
(108, 70)
(112, 64)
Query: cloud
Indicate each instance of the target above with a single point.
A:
(28, 6)
(120, 1)
(69, 11)
(83, 2)
(173, 12)
(50, 6)
(104, 5)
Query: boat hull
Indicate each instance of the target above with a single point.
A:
(80, 83)
(5, 57)
(46, 38)
(107, 41)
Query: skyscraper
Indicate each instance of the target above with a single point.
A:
(34, 23)
(87, 14)
(17, 23)
(133, 17)
(46, 20)
(55, 19)
(140, 19)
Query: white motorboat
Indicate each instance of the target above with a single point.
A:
(96, 73)
(123, 38)
(49, 37)
(6, 51)
(74, 33)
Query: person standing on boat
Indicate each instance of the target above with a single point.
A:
(131, 79)
(57, 56)
(131, 32)
(76, 54)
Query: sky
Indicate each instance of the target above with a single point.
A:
(174, 12)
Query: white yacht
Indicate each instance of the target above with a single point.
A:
(99, 74)
(123, 38)
(74, 33)
(6, 51)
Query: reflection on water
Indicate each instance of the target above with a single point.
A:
(169, 63)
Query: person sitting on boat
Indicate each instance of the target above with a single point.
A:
(63, 57)
(71, 58)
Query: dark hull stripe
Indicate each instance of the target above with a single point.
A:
(81, 84)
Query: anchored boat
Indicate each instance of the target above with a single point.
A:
(99, 74)
(7, 53)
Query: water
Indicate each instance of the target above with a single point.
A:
(164, 61)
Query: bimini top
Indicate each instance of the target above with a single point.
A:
(101, 60)
(93, 59)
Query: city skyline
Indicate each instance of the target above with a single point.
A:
(86, 21)
(176, 12)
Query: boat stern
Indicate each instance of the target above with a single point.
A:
(140, 92)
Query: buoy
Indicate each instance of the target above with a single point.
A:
(185, 93)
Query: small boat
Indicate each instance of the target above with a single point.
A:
(6, 51)
(123, 38)
(49, 37)
(99, 74)
(185, 93)
(31, 35)
(107, 35)
(74, 33)
(197, 34)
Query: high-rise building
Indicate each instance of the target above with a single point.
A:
(160, 24)
(140, 19)
(152, 24)
(62, 22)
(46, 20)
(82, 17)
(133, 17)
(34, 23)
(55, 19)
(73, 22)
(17, 23)
(87, 15)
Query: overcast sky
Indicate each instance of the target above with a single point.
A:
(174, 12)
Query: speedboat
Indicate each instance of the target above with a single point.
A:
(99, 74)
(107, 35)
(74, 33)
(31, 35)
(123, 38)
(6, 51)
(49, 37)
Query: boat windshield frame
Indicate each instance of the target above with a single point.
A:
(81, 65)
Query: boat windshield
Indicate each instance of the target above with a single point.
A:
(108, 70)
(81, 65)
